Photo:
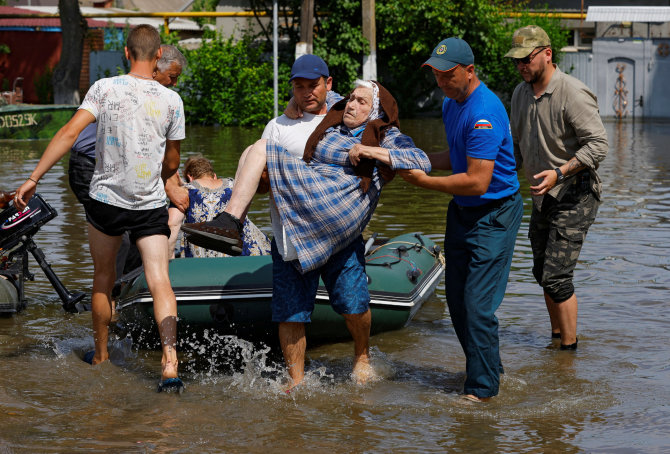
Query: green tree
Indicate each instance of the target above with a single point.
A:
(339, 40)
(407, 31)
(230, 83)
(338, 37)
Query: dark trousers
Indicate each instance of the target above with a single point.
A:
(80, 172)
(479, 244)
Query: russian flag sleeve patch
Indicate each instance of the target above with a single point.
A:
(483, 124)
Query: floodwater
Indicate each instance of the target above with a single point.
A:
(611, 396)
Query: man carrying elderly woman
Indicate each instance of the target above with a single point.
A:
(325, 200)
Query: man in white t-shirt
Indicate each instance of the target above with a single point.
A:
(140, 125)
(310, 96)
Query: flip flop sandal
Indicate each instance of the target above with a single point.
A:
(171, 385)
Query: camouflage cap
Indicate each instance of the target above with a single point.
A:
(526, 39)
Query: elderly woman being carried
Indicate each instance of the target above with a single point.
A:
(325, 200)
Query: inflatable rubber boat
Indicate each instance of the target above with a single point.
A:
(232, 295)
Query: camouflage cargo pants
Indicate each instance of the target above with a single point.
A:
(556, 236)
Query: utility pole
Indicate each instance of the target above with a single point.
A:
(275, 55)
(305, 46)
(369, 32)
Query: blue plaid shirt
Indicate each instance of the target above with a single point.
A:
(321, 204)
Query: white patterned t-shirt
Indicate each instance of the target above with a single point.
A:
(135, 118)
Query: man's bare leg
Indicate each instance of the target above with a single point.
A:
(154, 251)
(566, 313)
(103, 250)
(175, 220)
(293, 345)
(553, 316)
(359, 327)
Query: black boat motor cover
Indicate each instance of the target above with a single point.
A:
(15, 224)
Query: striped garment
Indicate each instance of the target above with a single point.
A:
(321, 204)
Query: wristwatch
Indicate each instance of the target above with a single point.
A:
(559, 175)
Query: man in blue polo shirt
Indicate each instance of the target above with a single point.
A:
(484, 215)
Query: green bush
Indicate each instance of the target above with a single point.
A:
(409, 30)
(230, 83)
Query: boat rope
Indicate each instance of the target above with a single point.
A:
(388, 264)
(413, 273)
(414, 245)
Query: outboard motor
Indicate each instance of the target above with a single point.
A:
(17, 229)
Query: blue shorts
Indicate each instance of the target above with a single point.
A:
(115, 221)
(293, 294)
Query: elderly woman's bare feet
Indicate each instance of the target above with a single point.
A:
(363, 371)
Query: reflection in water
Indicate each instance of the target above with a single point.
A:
(608, 397)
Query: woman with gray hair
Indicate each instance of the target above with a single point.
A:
(324, 200)
(321, 200)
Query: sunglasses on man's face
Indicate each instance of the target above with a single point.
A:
(528, 58)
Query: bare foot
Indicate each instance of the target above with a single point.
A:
(473, 398)
(169, 370)
(363, 372)
(292, 387)
(169, 365)
(97, 360)
(295, 382)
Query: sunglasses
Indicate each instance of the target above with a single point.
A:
(528, 58)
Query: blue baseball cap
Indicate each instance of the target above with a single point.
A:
(309, 67)
(450, 53)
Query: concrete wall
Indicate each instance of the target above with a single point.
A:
(579, 65)
(235, 26)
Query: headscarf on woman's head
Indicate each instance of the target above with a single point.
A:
(375, 111)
